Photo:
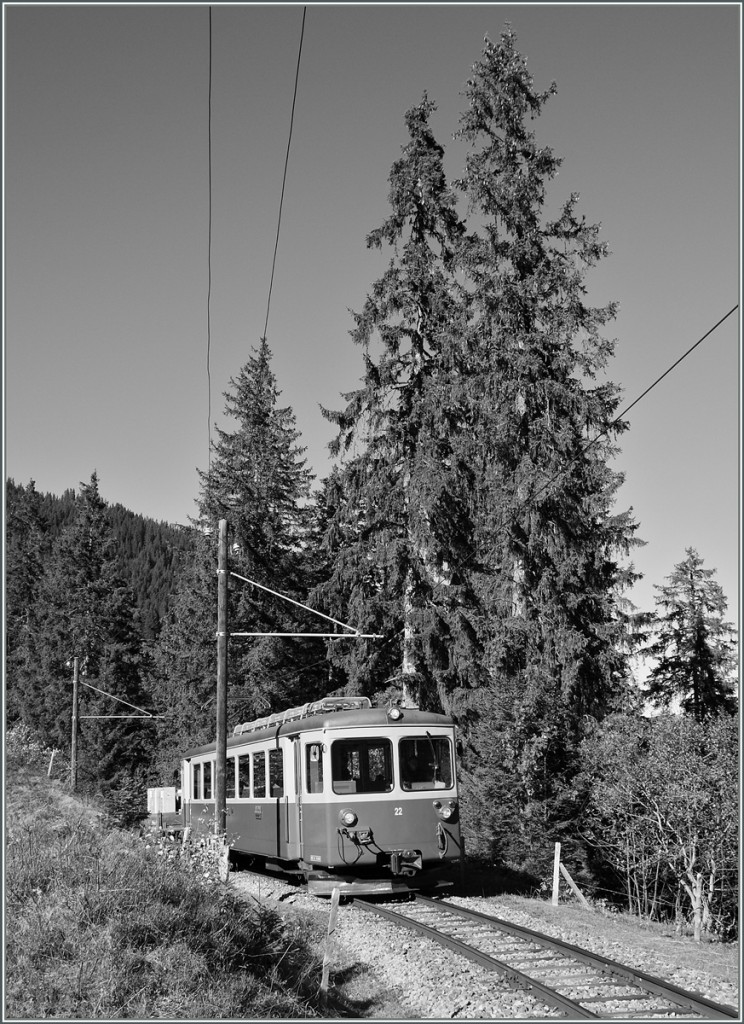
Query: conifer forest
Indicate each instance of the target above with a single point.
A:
(469, 518)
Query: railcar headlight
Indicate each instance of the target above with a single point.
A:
(395, 714)
(446, 811)
(348, 818)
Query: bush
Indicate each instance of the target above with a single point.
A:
(24, 750)
(662, 810)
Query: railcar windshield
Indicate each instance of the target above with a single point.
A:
(363, 765)
(425, 762)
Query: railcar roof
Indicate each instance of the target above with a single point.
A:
(337, 721)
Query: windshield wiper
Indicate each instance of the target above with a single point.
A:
(437, 765)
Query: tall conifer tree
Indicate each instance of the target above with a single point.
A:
(399, 523)
(259, 482)
(694, 648)
(546, 426)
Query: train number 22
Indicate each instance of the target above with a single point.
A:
(398, 810)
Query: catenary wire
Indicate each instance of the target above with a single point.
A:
(284, 177)
(512, 519)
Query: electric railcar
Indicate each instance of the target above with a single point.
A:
(342, 793)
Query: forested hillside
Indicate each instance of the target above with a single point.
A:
(150, 553)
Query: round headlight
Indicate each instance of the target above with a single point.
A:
(395, 714)
(446, 812)
(348, 818)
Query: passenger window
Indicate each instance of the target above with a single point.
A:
(362, 766)
(230, 779)
(207, 780)
(197, 781)
(276, 773)
(425, 762)
(244, 776)
(259, 774)
(314, 767)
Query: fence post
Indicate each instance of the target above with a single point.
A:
(335, 895)
(574, 887)
(51, 762)
(556, 873)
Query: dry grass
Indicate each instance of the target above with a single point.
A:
(717, 959)
(100, 927)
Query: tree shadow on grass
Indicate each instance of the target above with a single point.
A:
(479, 879)
(355, 992)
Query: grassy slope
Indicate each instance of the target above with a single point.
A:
(100, 927)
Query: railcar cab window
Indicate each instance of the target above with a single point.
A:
(425, 762)
(363, 765)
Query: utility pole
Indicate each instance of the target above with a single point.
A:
(73, 744)
(220, 795)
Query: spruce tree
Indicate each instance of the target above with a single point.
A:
(398, 510)
(259, 482)
(548, 540)
(694, 648)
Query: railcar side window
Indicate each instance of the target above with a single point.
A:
(314, 767)
(363, 765)
(230, 779)
(425, 762)
(207, 780)
(244, 776)
(276, 773)
(197, 781)
(259, 774)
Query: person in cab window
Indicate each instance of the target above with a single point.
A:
(415, 769)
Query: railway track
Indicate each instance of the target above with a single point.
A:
(576, 983)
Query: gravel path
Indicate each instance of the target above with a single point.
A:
(430, 981)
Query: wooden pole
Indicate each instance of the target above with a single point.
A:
(220, 825)
(574, 887)
(335, 896)
(556, 873)
(74, 741)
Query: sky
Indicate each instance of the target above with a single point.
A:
(108, 364)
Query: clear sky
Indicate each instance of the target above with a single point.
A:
(106, 228)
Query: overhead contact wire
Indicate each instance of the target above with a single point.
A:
(284, 177)
(619, 417)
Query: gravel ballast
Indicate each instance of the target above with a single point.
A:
(430, 981)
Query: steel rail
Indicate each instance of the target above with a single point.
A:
(515, 977)
(655, 986)
(609, 971)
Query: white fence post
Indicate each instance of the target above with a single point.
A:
(556, 873)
